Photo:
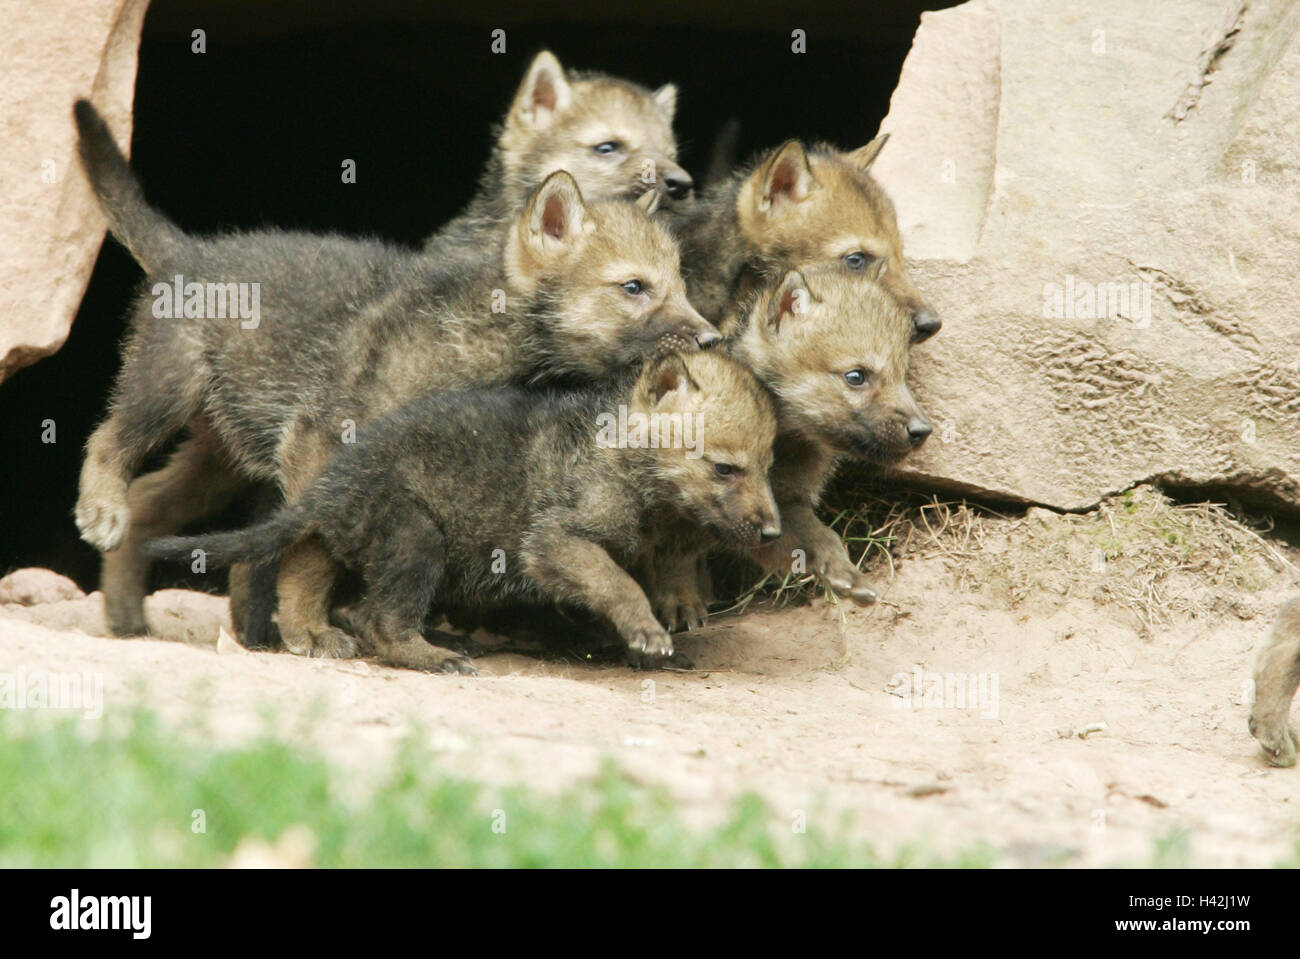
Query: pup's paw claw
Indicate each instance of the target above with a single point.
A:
(1278, 746)
(849, 583)
(649, 647)
(458, 665)
(863, 595)
(332, 644)
(683, 613)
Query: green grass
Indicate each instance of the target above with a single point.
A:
(132, 795)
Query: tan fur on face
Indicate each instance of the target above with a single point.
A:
(558, 119)
(804, 334)
(735, 424)
(590, 251)
(805, 208)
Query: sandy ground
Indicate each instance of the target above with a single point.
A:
(821, 710)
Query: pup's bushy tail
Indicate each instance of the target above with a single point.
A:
(256, 544)
(153, 240)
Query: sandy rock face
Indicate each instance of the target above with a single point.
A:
(1118, 286)
(50, 225)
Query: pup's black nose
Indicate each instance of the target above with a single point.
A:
(925, 323)
(917, 430)
(707, 338)
(678, 184)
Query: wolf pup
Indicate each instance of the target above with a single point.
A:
(421, 507)
(832, 347)
(616, 137)
(579, 290)
(1277, 674)
(797, 208)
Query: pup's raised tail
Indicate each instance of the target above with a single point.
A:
(256, 544)
(153, 240)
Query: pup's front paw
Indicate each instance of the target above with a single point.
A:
(847, 580)
(323, 643)
(681, 609)
(1277, 743)
(648, 646)
(431, 659)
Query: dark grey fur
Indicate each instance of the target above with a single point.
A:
(420, 505)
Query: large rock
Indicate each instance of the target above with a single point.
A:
(50, 226)
(1037, 157)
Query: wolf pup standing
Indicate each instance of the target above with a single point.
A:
(422, 509)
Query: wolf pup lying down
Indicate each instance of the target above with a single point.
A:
(421, 507)
(614, 136)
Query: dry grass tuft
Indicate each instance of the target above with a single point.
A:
(1139, 550)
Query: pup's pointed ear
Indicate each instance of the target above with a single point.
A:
(544, 93)
(668, 378)
(786, 177)
(556, 213)
(649, 201)
(863, 157)
(552, 225)
(665, 99)
(790, 299)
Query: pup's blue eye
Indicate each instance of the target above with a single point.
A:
(606, 148)
(857, 260)
(723, 469)
(856, 377)
(633, 287)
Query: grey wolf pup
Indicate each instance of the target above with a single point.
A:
(423, 509)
